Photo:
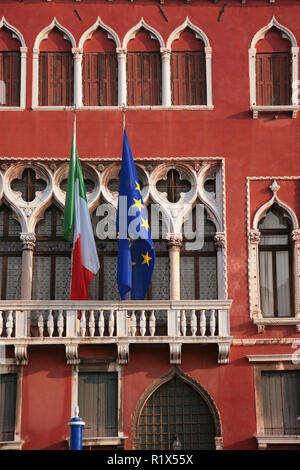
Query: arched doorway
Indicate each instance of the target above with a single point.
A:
(176, 413)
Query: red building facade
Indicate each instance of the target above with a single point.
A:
(209, 93)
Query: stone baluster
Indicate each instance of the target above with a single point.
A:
(133, 324)
(152, 322)
(183, 323)
(92, 323)
(202, 323)
(83, 323)
(143, 323)
(9, 323)
(193, 323)
(212, 323)
(111, 323)
(41, 325)
(60, 323)
(101, 323)
(50, 324)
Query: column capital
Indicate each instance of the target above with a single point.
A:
(174, 240)
(77, 52)
(254, 236)
(28, 240)
(121, 52)
(165, 52)
(296, 235)
(219, 240)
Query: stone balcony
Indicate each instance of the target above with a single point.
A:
(52, 322)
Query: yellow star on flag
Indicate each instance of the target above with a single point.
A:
(129, 239)
(146, 258)
(132, 263)
(138, 203)
(138, 188)
(145, 224)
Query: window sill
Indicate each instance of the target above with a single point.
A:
(11, 108)
(277, 109)
(103, 441)
(262, 322)
(126, 108)
(52, 108)
(11, 445)
(263, 441)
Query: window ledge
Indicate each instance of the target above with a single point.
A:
(147, 108)
(52, 108)
(271, 109)
(262, 322)
(103, 441)
(11, 445)
(11, 108)
(263, 441)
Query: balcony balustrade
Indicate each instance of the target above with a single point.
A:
(75, 323)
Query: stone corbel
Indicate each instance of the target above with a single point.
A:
(224, 350)
(123, 354)
(21, 354)
(72, 354)
(175, 353)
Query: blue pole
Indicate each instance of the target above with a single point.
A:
(76, 424)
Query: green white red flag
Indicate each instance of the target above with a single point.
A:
(77, 228)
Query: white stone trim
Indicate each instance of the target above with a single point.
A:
(100, 364)
(287, 34)
(23, 52)
(270, 358)
(13, 368)
(141, 24)
(35, 63)
(253, 256)
(207, 50)
(111, 34)
(122, 53)
(263, 441)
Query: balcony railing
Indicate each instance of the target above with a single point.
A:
(74, 323)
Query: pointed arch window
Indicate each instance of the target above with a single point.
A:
(52, 258)
(143, 70)
(100, 71)
(10, 255)
(13, 54)
(55, 71)
(188, 70)
(275, 264)
(273, 65)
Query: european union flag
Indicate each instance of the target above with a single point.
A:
(136, 254)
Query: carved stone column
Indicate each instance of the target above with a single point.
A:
(174, 244)
(254, 238)
(122, 99)
(77, 53)
(296, 248)
(166, 77)
(28, 240)
(219, 241)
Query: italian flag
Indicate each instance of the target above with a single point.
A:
(77, 228)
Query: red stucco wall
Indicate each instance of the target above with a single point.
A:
(262, 147)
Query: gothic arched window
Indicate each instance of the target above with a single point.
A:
(275, 264)
(176, 415)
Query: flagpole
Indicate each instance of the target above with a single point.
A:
(124, 118)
